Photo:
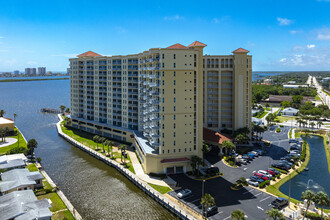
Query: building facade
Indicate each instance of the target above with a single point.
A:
(30, 71)
(154, 99)
(42, 70)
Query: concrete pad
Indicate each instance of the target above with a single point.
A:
(9, 141)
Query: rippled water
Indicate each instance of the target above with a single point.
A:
(96, 190)
(317, 178)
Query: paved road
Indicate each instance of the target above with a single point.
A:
(253, 202)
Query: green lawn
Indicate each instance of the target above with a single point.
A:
(32, 167)
(57, 203)
(317, 98)
(161, 189)
(261, 115)
(325, 91)
(22, 143)
(66, 214)
(285, 119)
(87, 139)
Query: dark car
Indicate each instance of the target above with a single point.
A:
(212, 170)
(256, 179)
(286, 162)
(279, 203)
(287, 158)
(211, 211)
(246, 157)
(281, 166)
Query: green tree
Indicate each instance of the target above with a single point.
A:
(2, 134)
(67, 110)
(267, 105)
(238, 215)
(122, 148)
(2, 112)
(207, 201)
(275, 214)
(269, 118)
(31, 145)
(96, 139)
(297, 99)
(309, 196)
(319, 124)
(102, 141)
(285, 104)
(322, 200)
(312, 124)
(62, 107)
(228, 146)
(195, 162)
(205, 150)
(241, 138)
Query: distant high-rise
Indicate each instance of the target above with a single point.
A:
(30, 71)
(16, 72)
(68, 71)
(42, 70)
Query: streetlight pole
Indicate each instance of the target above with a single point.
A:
(289, 188)
(203, 196)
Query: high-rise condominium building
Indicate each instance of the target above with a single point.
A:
(42, 70)
(155, 99)
(30, 71)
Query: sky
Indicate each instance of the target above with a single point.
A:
(281, 35)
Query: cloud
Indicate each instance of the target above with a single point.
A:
(11, 62)
(299, 48)
(221, 20)
(1, 37)
(283, 60)
(310, 46)
(68, 55)
(120, 30)
(323, 34)
(284, 21)
(295, 31)
(4, 51)
(31, 63)
(173, 18)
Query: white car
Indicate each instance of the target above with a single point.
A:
(252, 183)
(184, 193)
(265, 173)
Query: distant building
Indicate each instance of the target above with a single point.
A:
(68, 71)
(326, 79)
(6, 74)
(42, 70)
(276, 100)
(24, 205)
(20, 179)
(295, 86)
(30, 71)
(16, 72)
(292, 82)
(12, 161)
(268, 81)
(290, 112)
(7, 122)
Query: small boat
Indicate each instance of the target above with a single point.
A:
(306, 169)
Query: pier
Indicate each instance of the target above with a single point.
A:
(50, 110)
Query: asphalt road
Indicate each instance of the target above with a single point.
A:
(254, 203)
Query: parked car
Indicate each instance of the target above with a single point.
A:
(260, 152)
(261, 176)
(241, 160)
(252, 183)
(286, 162)
(281, 166)
(287, 158)
(273, 171)
(254, 153)
(247, 158)
(291, 141)
(256, 179)
(184, 193)
(211, 211)
(280, 203)
(250, 155)
(212, 170)
(265, 173)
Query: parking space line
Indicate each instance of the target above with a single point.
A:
(258, 194)
(249, 191)
(265, 198)
(226, 218)
(194, 200)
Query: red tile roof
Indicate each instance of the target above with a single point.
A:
(177, 46)
(89, 54)
(240, 50)
(213, 136)
(183, 159)
(197, 43)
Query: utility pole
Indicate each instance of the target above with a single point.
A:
(203, 210)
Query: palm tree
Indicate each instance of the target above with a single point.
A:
(32, 143)
(6, 131)
(122, 148)
(237, 215)
(228, 146)
(62, 107)
(67, 110)
(207, 201)
(205, 150)
(299, 121)
(2, 134)
(275, 214)
(96, 139)
(102, 141)
(195, 162)
(309, 196)
(322, 200)
(110, 144)
(2, 112)
(319, 124)
(312, 124)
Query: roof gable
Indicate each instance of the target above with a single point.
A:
(89, 54)
(240, 50)
(197, 43)
(177, 46)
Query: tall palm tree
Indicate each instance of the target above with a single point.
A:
(96, 140)
(312, 124)
(207, 201)
(309, 196)
(237, 215)
(62, 107)
(31, 145)
(2, 134)
(319, 124)
(195, 160)
(110, 144)
(228, 146)
(6, 130)
(322, 200)
(275, 214)
(102, 141)
(122, 148)
(205, 150)
(2, 112)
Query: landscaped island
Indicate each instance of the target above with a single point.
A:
(21, 80)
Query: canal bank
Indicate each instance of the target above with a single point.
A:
(161, 199)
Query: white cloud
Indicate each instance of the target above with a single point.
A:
(11, 62)
(323, 34)
(310, 46)
(68, 55)
(31, 63)
(284, 21)
(173, 18)
(295, 31)
(221, 20)
(1, 37)
(283, 60)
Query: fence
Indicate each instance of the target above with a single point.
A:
(167, 203)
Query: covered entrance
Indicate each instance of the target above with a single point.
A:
(169, 170)
(175, 165)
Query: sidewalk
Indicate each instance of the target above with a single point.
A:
(141, 175)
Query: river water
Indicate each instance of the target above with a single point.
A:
(96, 190)
(317, 178)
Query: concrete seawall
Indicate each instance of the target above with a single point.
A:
(164, 201)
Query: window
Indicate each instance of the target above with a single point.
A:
(174, 117)
(163, 91)
(163, 137)
(174, 149)
(173, 56)
(174, 65)
(174, 99)
(174, 91)
(163, 56)
(163, 117)
(163, 108)
(163, 82)
(174, 125)
(163, 126)
(173, 134)
(174, 82)
(174, 108)
(163, 143)
(163, 100)
(163, 65)
(174, 73)
(163, 73)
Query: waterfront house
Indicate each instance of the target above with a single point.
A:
(24, 204)
(290, 112)
(20, 179)
(7, 122)
(12, 161)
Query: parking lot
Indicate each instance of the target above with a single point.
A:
(253, 202)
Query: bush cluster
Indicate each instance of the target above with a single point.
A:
(264, 184)
(303, 152)
(278, 130)
(313, 216)
(282, 171)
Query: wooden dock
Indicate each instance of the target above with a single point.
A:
(50, 110)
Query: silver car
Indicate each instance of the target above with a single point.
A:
(184, 193)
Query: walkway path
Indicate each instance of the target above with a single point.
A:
(273, 110)
(9, 141)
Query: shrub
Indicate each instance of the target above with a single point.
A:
(327, 142)
(231, 163)
(281, 126)
(278, 130)
(277, 120)
(313, 216)
(278, 176)
(282, 171)
(273, 178)
(303, 152)
(263, 184)
(267, 143)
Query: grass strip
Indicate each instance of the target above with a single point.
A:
(161, 189)
(22, 143)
